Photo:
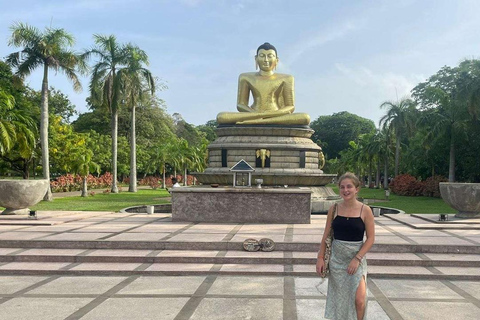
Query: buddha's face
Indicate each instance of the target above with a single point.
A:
(266, 59)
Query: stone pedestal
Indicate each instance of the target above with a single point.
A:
(464, 197)
(17, 195)
(241, 205)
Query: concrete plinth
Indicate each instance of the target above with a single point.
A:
(241, 205)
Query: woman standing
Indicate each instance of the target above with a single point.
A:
(350, 220)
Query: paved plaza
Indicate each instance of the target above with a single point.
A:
(98, 265)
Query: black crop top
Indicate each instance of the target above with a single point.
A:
(348, 228)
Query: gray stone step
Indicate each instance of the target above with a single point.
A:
(156, 269)
(228, 245)
(235, 257)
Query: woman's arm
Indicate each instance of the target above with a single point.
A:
(370, 232)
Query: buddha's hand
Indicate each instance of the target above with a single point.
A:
(244, 108)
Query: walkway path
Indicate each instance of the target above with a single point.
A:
(97, 265)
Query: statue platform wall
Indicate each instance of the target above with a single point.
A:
(241, 205)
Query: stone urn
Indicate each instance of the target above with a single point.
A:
(464, 197)
(17, 195)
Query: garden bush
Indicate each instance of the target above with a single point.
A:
(153, 182)
(407, 185)
(70, 182)
(432, 186)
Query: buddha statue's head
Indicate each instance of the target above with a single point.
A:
(266, 58)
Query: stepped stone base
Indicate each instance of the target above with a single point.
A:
(293, 157)
(241, 205)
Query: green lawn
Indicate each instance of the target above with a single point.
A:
(106, 201)
(407, 204)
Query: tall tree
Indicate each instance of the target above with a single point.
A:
(445, 111)
(335, 132)
(400, 119)
(136, 79)
(51, 50)
(105, 85)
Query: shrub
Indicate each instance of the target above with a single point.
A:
(432, 186)
(407, 185)
(151, 181)
(69, 182)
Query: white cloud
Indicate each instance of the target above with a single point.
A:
(321, 38)
(390, 83)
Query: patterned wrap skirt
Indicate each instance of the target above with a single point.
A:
(342, 287)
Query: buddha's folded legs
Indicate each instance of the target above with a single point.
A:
(234, 117)
(288, 119)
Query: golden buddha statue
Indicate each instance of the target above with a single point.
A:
(273, 95)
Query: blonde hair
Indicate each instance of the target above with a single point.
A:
(351, 176)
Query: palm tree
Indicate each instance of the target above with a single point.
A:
(135, 80)
(400, 118)
(163, 156)
(50, 49)
(7, 128)
(374, 147)
(445, 107)
(449, 122)
(16, 128)
(367, 153)
(185, 159)
(105, 85)
(82, 164)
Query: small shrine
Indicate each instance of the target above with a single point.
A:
(242, 174)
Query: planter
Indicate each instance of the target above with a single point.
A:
(17, 195)
(464, 197)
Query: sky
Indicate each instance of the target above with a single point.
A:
(345, 55)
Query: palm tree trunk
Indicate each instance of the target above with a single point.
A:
(133, 155)
(397, 154)
(370, 168)
(44, 132)
(185, 177)
(163, 176)
(385, 173)
(377, 178)
(451, 167)
(114, 150)
(84, 186)
(26, 171)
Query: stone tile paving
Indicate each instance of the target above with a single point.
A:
(224, 297)
(51, 252)
(15, 235)
(187, 253)
(33, 266)
(120, 253)
(221, 296)
(414, 310)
